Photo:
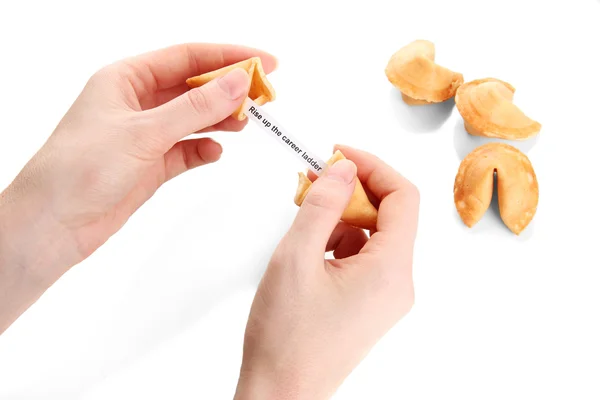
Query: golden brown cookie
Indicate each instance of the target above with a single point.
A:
(488, 110)
(517, 186)
(413, 71)
(359, 212)
(261, 90)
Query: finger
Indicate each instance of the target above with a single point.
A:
(372, 198)
(380, 177)
(322, 208)
(171, 66)
(397, 223)
(189, 154)
(398, 213)
(162, 96)
(229, 124)
(346, 240)
(200, 107)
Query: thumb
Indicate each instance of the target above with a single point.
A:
(201, 107)
(323, 206)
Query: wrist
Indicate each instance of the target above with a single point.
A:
(269, 385)
(252, 386)
(31, 239)
(34, 253)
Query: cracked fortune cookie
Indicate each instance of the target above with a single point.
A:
(359, 212)
(518, 190)
(413, 71)
(261, 91)
(487, 108)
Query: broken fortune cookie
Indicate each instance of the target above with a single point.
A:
(261, 91)
(413, 71)
(518, 189)
(359, 212)
(487, 107)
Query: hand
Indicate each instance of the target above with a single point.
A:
(313, 320)
(119, 142)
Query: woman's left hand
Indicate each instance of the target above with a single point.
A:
(119, 142)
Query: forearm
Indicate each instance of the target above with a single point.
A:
(18, 289)
(267, 388)
(33, 254)
(290, 383)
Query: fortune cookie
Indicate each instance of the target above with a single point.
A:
(487, 108)
(517, 186)
(359, 212)
(261, 91)
(413, 71)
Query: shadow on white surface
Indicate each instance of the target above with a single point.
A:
(464, 143)
(175, 289)
(492, 223)
(422, 118)
(160, 306)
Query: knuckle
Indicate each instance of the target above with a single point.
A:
(104, 74)
(198, 101)
(286, 254)
(277, 257)
(317, 197)
(99, 75)
(412, 193)
(281, 256)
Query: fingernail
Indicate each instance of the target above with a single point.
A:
(235, 83)
(342, 170)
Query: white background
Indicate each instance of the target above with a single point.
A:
(159, 311)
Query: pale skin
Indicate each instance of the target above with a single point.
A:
(312, 320)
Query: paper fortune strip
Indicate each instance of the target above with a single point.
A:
(274, 129)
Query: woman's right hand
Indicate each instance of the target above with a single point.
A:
(313, 320)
